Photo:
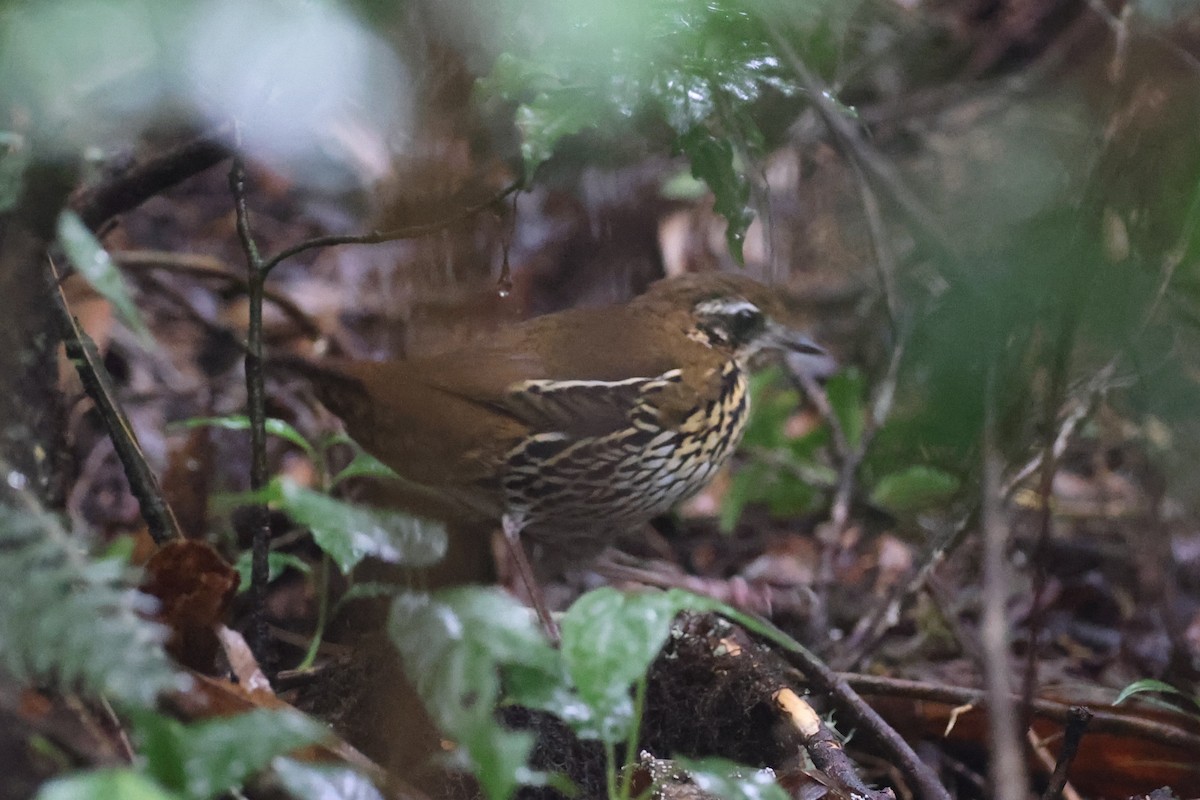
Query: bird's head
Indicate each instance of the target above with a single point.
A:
(732, 313)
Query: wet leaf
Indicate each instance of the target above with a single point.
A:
(97, 267)
(609, 639)
(207, 758)
(712, 160)
(729, 780)
(323, 782)
(240, 422)
(349, 533)
(453, 645)
(119, 783)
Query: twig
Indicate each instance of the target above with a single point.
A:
(850, 457)
(160, 520)
(1007, 769)
(1041, 752)
(885, 260)
(872, 627)
(1106, 722)
(208, 267)
(377, 237)
(97, 204)
(1077, 722)
(828, 682)
(824, 747)
(256, 412)
(850, 141)
(1081, 411)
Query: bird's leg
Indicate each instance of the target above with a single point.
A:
(512, 525)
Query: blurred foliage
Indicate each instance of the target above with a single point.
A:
(696, 67)
(469, 649)
(96, 266)
(70, 621)
(74, 623)
(346, 532)
(794, 475)
(198, 761)
(204, 759)
(98, 73)
(722, 778)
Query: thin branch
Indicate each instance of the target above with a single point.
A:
(1113, 723)
(256, 412)
(885, 259)
(143, 483)
(377, 237)
(208, 267)
(1007, 769)
(850, 457)
(850, 141)
(824, 747)
(828, 682)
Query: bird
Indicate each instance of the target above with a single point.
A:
(572, 427)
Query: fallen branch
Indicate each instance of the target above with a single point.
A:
(97, 204)
(143, 483)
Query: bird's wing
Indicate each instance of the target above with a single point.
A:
(426, 434)
(582, 373)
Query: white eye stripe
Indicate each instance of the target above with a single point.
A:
(726, 306)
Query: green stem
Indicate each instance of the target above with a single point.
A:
(610, 770)
(639, 706)
(322, 579)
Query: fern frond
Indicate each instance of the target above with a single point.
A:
(75, 622)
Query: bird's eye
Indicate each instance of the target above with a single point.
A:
(746, 324)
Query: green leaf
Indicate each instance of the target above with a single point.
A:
(240, 422)
(914, 489)
(323, 782)
(276, 564)
(744, 489)
(99, 270)
(609, 639)
(549, 117)
(728, 780)
(1147, 685)
(73, 622)
(713, 162)
(350, 533)
(116, 783)
(453, 645)
(207, 758)
(770, 409)
(363, 465)
(783, 492)
(847, 392)
(365, 590)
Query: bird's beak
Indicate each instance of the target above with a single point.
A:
(800, 353)
(789, 340)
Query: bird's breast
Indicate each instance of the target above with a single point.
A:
(561, 482)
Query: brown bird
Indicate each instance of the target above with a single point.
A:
(571, 427)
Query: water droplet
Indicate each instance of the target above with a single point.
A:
(504, 287)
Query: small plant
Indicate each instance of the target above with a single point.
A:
(345, 533)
